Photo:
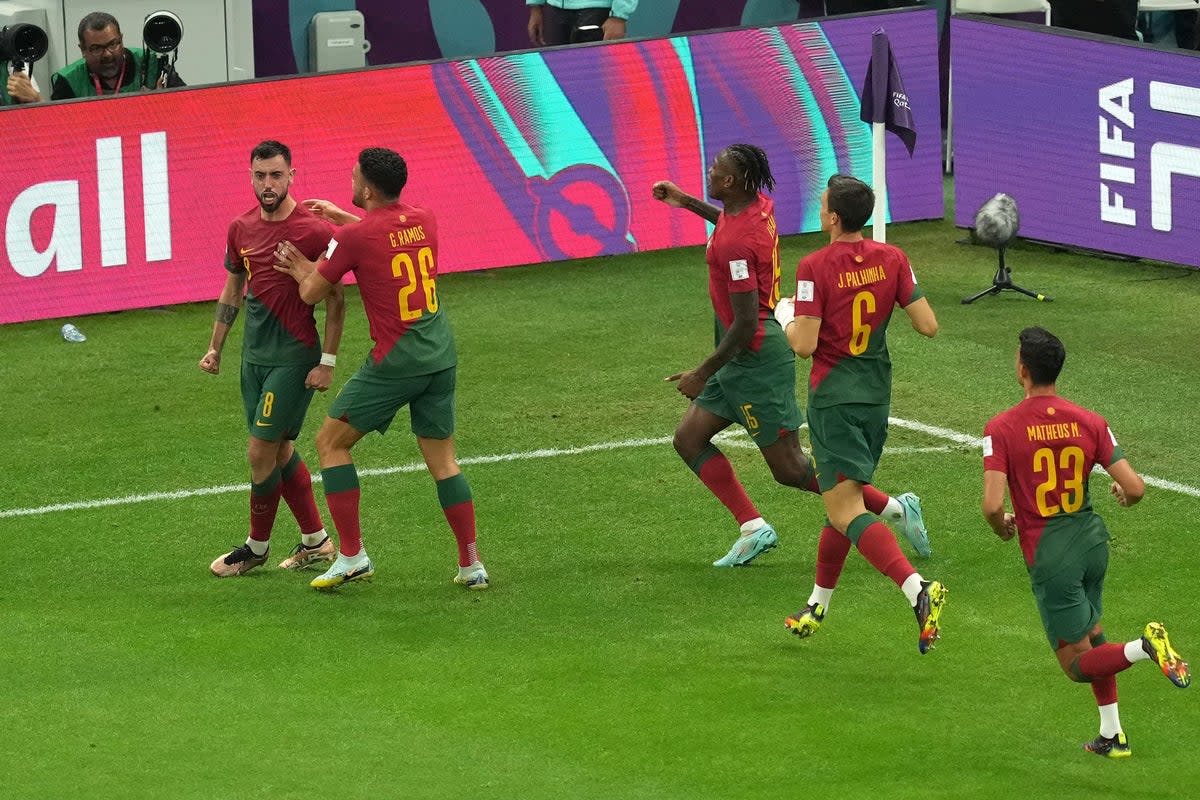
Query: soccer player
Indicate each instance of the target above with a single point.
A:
(282, 360)
(1044, 449)
(393, 252)
(750, 378)
(845, 293)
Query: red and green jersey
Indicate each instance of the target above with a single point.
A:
(393, 255)
(743, 256)
(852, 288)
(1047, 447)
(280, 328)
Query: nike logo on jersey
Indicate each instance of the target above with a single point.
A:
(243, 250)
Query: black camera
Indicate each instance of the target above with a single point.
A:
(22, 44)
(162, 32)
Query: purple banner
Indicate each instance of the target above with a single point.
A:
(1106, 158)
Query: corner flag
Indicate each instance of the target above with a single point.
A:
(885, 106)
(883, 96)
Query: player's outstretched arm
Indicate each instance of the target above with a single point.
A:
(920, 313)
(1128, 487)
(328, 211)
(228, 305)
(675, 197)
(994, 484)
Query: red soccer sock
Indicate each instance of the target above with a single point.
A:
(831, 557)
(462, 521)
(875, 500)
(1103, 661)
(454, 495)
(264, 503)
(1105, 689)
(878, 545)
(343, 507)
(341, 495)
(717, 474)
(297, 491)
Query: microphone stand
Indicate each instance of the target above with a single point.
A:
(1003, 281)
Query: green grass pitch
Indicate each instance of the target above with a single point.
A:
(608, 660)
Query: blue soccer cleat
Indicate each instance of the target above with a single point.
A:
(913, 524)
(749, 547)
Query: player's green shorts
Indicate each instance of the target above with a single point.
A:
(847, 441)
(761, 397)
(369, 401)
(275, 400)
(1068, 587)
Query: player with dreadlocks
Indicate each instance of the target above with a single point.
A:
(750, 378)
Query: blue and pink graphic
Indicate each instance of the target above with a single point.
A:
(524, 158)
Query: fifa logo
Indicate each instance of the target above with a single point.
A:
(65, 245)
(1167, 159)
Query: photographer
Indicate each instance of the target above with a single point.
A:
(107, 66)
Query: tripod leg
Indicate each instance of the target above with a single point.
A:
(977, 295)
(1028, 293)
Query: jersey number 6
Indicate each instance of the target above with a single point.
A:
(864, 304)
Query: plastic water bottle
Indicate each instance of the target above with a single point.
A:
(72, 334)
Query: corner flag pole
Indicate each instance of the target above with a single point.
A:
(879, 181)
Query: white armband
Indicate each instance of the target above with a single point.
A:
(328, 360)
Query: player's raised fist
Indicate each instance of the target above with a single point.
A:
(669, 193)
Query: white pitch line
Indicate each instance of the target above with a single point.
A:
(731, 438)
(976, 441)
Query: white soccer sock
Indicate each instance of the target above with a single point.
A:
(314, 539)
(820, 595)
(1110, 721)
(912, 587)
(893, 511)
(1134, 652)
(356, 559)
(750, 526)
(257, 547)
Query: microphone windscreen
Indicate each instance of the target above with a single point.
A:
(996, 221)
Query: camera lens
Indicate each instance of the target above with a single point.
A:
(162, 32)
(23, 42)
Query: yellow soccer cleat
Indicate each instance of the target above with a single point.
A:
(1158, 646)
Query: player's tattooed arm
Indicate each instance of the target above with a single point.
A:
(673, 196)
(227, 310)
(226, 314)
(701, 208)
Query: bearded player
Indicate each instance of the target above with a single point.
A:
(282, 359)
